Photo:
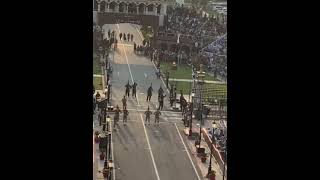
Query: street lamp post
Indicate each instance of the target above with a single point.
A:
(214, 126)
(225, 160)
(200, 74)
(190, 124)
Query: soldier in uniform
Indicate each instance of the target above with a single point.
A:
(127, 86)
(157, 116)
(128, 36)
(134, 47)
(149, 93)
(161, 101)
(98, 96)
(131, 37)
(120, 36)
(116, 116)
(125, 116)
(124, 103)
(160, 91)
(134, 89)
(124, 37)
(147, 113)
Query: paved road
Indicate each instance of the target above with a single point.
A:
(145, 152)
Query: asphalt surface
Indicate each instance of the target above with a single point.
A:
(145, 152)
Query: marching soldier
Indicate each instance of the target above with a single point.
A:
(161, 101)
(120, 36)
(134, 89)
(147, 113)
(160, 91)
(127, 86)
(134, 47)
(131, 37)
(116, 116)
(157, 116)
(98, 96)
(128, 36)
(124, 102)
(149, 93)
(125, 116)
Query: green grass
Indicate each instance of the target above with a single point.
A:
(183, 71)
(96, 65)
(97, 82)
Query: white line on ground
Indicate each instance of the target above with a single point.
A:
(195, 170)
(153, 110)
(112, 156)
(139, 32)
(145, 131)
(130, 45)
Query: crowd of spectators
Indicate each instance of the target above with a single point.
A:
(207, 32)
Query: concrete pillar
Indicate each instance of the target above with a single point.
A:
(117, 8)
(126, 8)
(154, 10)
(99, 7)
(163, 9)
(137, 9)
(107, 8)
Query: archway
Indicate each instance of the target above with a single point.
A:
(141, 8)
(103, 6)
(132, 8)
(150, 8)
(95, 5)
(112, 6)
(158, 9)
(122, 7)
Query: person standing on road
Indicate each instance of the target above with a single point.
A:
(149, 93)
(134, 47)
(124, 37)
(125, 116)
(98, 96)
(131, 37)
(157, 116)
(124, 102)
(120, 36)
(128, 36)
(116, 116)
(134, 89)
(161, 101)
(167, 79)
(147, 113)
(160, 91)
(109, 33)
(127, 86)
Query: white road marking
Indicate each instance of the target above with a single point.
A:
(195, 170)
(118, 73)
(140, 34)
(145, 131)
(112, 156)
(145, 75)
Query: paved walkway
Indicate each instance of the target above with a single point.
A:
(190, 80)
